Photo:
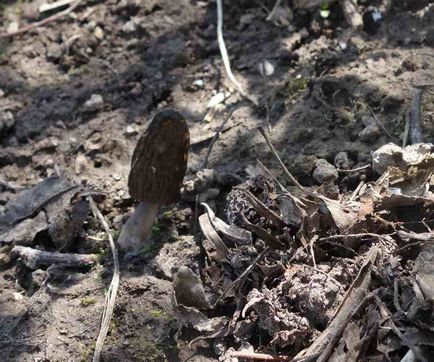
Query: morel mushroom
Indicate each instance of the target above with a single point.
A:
(157, 169)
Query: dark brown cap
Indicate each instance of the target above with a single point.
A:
(160, 159)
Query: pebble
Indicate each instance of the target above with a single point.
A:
(342, 161)
(94, 103)
(130, 130)
(98, 32)
(324, 172)
(371, 132)
(265, 68)
(7, 121)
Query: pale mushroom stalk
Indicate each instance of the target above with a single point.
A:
(157, 169)
(138, 228)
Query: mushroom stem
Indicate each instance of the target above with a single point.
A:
(138, 227)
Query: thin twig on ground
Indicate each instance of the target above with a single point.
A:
(237, 282)
(273, 150)
(273, 11)
(361, 168)
(225, 57)
(217, 134)
(380, 124)
(267, 357)
(113, 288)
(42, 22)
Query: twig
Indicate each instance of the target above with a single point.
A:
(268, 357)
(380, 124)
(217, 134)
(34, 259)
(273, 11)
(361, 168)
(273, 150)
(242, 276)
(357, 190)
(113, 288)
(42, 22)
(224, 54)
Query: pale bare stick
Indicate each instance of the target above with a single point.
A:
(273, 150)
(224, 54)
(267, 357)
(42, 22)
(113, 288)
(273, 11)
(53, 6)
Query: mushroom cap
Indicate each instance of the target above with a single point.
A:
(160, 159)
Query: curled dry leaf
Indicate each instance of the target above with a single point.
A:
(232, 232)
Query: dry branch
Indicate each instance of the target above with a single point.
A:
(35, 259)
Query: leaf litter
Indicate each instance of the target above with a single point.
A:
(320, 274)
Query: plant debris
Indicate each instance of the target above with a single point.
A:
(315, 270)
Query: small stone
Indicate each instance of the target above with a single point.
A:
(216, 99)
(2, 93)
(98, 32)
(386, 156)
(7, 121)
(94, 103)
(303, 165)
(342, 161)
(137, 89)
(198, 83)
(204, 179)
(130, 130)
(369, 134)
(265, 68)
(12, 27)
(54, 51)
(324, 172)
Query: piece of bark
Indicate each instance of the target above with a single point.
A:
(35, 259)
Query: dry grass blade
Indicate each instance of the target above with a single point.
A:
(224, 54)
(113, 288)
(273, 150)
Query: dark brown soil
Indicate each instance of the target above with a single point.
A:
(143, 56)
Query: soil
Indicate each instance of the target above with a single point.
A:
(76, 94)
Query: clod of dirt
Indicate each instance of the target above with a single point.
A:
(393, 155)
(94, 103)
(324, 172)
(342, 161)
(7, 121)
(189, 290)
(303, 166)
(371, 132)
(182, 252)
